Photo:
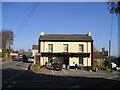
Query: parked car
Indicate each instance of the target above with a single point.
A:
(25, 58)
(50, 66)
(118, 69)
(57, 67)
(31, 59)
(14, 57)
(20, 56)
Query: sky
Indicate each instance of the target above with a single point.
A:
(28, 19)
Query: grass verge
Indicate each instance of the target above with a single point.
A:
(36, 68)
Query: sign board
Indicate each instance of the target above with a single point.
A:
(106, 53)
(38, 54)
(14, 54)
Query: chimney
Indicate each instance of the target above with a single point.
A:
(89, 33)
(42, 34)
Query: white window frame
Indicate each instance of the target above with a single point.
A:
(50, 47)
(65, 47)
(81, 47)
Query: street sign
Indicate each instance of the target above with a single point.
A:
(38, 53)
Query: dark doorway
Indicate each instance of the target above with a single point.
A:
(66, 60)
(50, 60)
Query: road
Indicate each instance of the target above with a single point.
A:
(11, 70)
(15, 75)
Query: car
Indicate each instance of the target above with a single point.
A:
(49, 66)
(31, 59)
(118, 69)
(57, 66)
(20, 56)
(25, 58)
(14, 58)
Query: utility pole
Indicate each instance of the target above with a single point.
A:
(110, 54)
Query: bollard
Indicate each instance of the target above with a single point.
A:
(30, 67)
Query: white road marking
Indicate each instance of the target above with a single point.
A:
(5, 62)
(64, 71)
(17, 75)
(9, 86)
(7, 66)
(53, 72)
(14, 83)
(77, 86)
(12, 65)
(75, 71)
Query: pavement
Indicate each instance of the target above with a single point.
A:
(15, 75)
(4, 61)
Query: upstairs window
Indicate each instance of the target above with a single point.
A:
(50, 47)
(65, 47)
(81, 48)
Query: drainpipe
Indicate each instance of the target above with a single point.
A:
(87, 57)
(43, 51)
(39, 47)
(92, 53)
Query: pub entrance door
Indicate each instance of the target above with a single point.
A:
(66, 60)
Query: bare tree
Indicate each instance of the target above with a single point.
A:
(114, 6)
(7, 39)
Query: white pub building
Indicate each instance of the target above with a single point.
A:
(69, 49)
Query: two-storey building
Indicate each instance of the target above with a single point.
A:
(69, 49)
(34, 50)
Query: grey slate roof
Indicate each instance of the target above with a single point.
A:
(65, 37)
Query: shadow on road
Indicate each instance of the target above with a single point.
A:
(14, 79)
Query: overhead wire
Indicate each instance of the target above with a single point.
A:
(30, 14)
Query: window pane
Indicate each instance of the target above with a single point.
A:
(80, 47)
(50, 47)
(65, 47)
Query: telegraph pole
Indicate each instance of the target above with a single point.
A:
(110, 54)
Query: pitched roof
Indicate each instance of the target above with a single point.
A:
(65, 37)
(35, 47)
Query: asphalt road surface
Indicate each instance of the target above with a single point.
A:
(15, 75)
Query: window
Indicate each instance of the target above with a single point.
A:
(81, 47)
(81, 60)
(50, 47)
(65, 47)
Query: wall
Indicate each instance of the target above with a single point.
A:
(72, 47)
(43, 60)
(34, 52)
(86, 61)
